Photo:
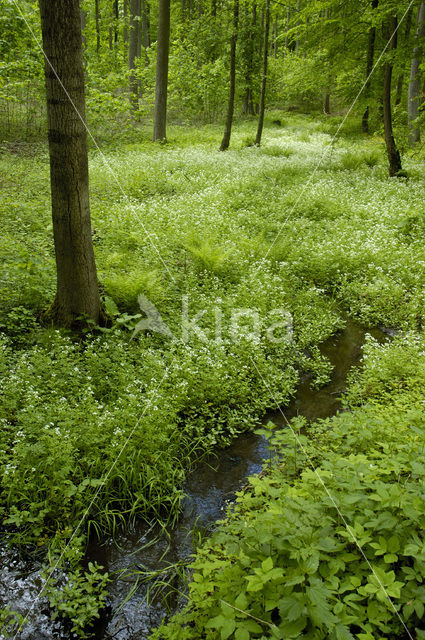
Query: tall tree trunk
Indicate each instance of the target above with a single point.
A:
(369, 66)
(146, 38)
(414, 98)
(161, 87)
(231, 103)
(83, 28)
(327, 101)
(392, 151)
(297, 41)
(248, 101)
(77, 292)
(133, 47)
(116, 22)
(264, 75)
(97, 19)
(288, 19)
(275, 39)
(125, 29)
(400, 80)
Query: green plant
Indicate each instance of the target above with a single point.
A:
(81, 598)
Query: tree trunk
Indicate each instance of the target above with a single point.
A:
(133, 46)
(146, 38)
(116, 22)
(414, 90)
(77, 292)
(275, 36)
(392, 151)
(288, 19)
(248, 101)
(327, 103)
(400, 81)
(264, 75)
(369, 66)
(297, 41)
(83, 28)
(96, 17)
(161, 87)
(125, 30)
(231, 103)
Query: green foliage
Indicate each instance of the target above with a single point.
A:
(10, 622)
(295, 560)
(81, 599)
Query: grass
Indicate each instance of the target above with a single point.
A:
(226, 232)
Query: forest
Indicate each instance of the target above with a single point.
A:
(212, 287)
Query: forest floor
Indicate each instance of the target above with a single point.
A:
(105, 426)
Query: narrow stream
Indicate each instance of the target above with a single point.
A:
(208, 489)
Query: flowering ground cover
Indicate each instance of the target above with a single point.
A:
(101, 428)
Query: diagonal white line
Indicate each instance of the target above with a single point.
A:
(93, 500)
(347, 526)
(107, 164)
(329, 146)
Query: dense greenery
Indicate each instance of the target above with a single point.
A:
(69, 403)
(100, 426)
(296, 559)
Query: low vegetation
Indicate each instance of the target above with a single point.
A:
(235, 231)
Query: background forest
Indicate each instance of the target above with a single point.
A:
(315, 209)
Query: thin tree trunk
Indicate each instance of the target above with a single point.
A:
(133, 46)
(248, 101)
(161, 88)
(297, 42)
(145, 33)
(400, 81)
(116, 21)
(231, 103)
(96, 17)
(327, 102)
(288, 19)
(369, 66)
(414, 90)
(275, 39)
(125, 29)
(392, 151)
(264, 75)
(83, 28)
(77, 292)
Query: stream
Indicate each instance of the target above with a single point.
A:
(208, 490)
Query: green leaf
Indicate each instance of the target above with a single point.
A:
(228, 628)
(267, 565)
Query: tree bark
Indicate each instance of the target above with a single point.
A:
(116, 21)
(400, 81)
(414, 90)
(133, 46)
(232, 85)
(327, 103)
(392, 151)
(83, 28)
(297, 41)
(96, 18)
(248, 101)
(77, 292)
(264, 75)
(145, 33)
(161, 87)
(369, 66)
